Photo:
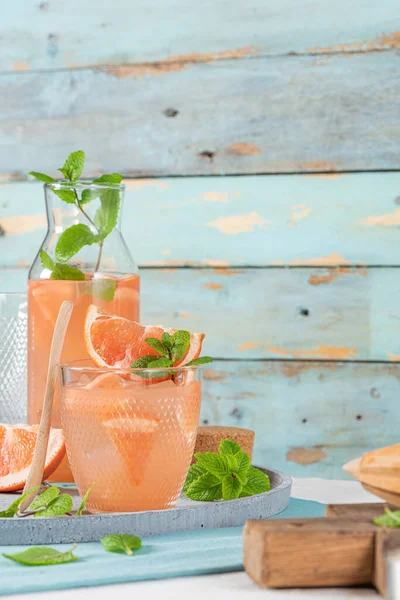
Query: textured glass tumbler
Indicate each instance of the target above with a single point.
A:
(13, 348)
(131, 432)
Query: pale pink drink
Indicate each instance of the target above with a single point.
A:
(132, 436)
(102, 273)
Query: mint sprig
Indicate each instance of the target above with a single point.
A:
(73, 239)
(389, 519)
(224, 476)
(42, 556)
(49, 503)
(12, 510)
(170, 349)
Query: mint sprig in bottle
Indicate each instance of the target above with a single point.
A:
(83, 258)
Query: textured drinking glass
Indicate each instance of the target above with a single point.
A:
(131, 432)
(13, 345)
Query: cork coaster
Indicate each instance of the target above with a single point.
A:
(210, 436)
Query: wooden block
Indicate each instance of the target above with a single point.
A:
(309, 552)
(209, 438)
(387, 544)
(357, 512)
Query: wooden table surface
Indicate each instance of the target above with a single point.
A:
(230, 586)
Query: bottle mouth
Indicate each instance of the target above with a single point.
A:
(82, 185)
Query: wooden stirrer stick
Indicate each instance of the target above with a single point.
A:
(39, 457)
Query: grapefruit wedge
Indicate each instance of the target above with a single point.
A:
(17, 444)
(113, 341)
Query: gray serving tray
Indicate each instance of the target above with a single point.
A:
(185, 516)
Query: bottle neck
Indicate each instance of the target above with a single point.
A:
(62, 215)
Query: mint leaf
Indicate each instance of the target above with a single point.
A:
(243, 465)
(42, 556)
(166, 339)
(124, 543)
(180, 345)
(214, 463)
(229, 447)
(73, 166)
(45, 498)
(89, 195)
(151, 362)
(59, 506)
(257, 483)
(143, 362)
(231, 487)
(65, 195)
(42, 177)
(388, 519)
(195, 471)
(47, 262)
(106, 217)
(232, 462)
(12, 510)
(72, 240)
(160, 363)
(112, 178)
(104, 289)
(61, 271)
(202, 360)
(205, 488)
(158, 346)
(82, 505)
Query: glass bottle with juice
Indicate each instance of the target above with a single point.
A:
(85, 259)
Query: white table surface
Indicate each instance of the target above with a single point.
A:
(228, 586)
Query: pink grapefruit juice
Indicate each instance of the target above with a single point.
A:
(134, 442)
(44, 300)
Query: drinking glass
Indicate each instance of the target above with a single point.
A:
(13, 348)
(131, 432)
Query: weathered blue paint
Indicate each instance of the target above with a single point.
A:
(52, 33)
(286, 114)
(253, 220)
(274, 313)
(323, 413)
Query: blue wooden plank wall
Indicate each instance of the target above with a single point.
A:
(260, 142)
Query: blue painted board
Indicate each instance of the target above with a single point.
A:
(286, 114)
(309, 417)
(47, 35)
(304, 313)
(253, 220)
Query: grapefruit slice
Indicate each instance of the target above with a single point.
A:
(17, 444)
(106, 381)
(113, 341)
(133, 438)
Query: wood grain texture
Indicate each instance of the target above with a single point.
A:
(289, 114)
(256, 220)
(354, 512)
(273, 313)
(50, 36)
(309, 552)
